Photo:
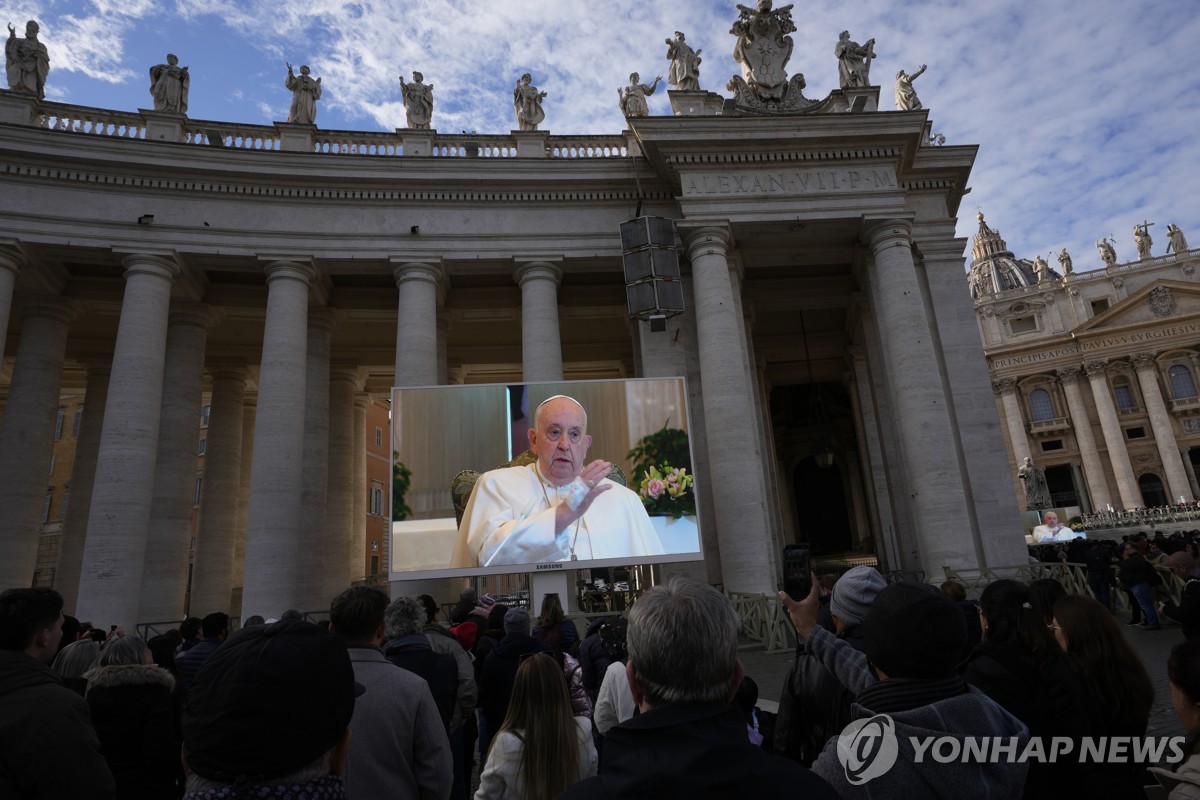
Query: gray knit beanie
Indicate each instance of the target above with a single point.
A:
(854, 594)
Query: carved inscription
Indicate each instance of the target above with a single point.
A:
(792, 181)
(1186, 329)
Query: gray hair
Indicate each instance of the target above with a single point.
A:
(683, 643)
(123, 650)
(405, 616)
(76, 658)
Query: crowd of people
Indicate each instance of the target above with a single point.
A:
(386, 699)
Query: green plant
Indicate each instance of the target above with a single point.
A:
(668, 446)
(668, 492)
(401, 480)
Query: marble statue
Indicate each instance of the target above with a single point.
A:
(1041, 269)
(169, 84)
(854, 61)
(527, 102)
(763, 47)
(306, 91)
(1142, 240)
(1107, 254)
(27, 61)
(684, 74)
(1037, 491)
(418, 101)
(1177, 243)
(633, 97)
(906, 96)
(1064, 261)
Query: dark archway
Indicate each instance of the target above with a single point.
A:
(821, 517)
(1153, 493)
(1063, 491)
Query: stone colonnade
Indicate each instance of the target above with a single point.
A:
(1090, 475)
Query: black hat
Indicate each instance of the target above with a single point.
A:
(270, 700)
(914, 631)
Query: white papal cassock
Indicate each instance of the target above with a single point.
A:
(510, 520)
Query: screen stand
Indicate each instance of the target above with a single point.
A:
(549, 582)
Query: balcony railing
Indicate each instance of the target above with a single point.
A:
(1042, 427)
(1186, 405)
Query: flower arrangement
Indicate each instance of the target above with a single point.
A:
(667, 491)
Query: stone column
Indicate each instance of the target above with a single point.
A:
(310, 587)
(1095, 483)
(1013, 421)
(541, 341)
(83, 475)
(164, 585)
(739, 490)
(27, 434)
(1160, 423)
(336, 544)
(119, 517)
(871, 456)
(1114, 436)
(1186, 457)
(417, 324)
(249, 415)
(1077, 476)
(358, 539)
(935, 490)
(443, 346)
(212, 574)
(10, 264)
(274, 514)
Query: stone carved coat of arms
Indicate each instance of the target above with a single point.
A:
(1162, 302)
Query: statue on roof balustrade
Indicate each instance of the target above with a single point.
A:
(906, 95)
(306, 91)
(169, 85)
(1107, 254)
(633, 97)
(27, 61)
(418, 101)
(684, 74)
(1142, 240)
(854, 61)
(1177, 243)
(1064, 261)
(527, 102)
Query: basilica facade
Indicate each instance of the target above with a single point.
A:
(837, 384)
(1095, 369)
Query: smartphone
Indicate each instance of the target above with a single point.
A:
(797, 571)
(112, 628)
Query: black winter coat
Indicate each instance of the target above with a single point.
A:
(693, 751)
(134, 717)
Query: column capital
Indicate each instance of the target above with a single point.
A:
(350, 373)
(55, 307)
(889, 232)
(1143, 361)
(322, 318)
(537, 269)
(1004, 385)
(706, 237)
(229, 370)
(11, 260)
(1097, 368)
(149, 264)
(362, 400)
(1068, 373)
(287, 269)
(409, 269)
(200, 315)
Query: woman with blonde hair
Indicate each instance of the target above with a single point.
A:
(541, 749)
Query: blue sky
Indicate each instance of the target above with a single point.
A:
(1086, 111)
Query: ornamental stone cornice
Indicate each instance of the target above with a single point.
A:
(1096, 368)
(1143, 361)
(1004, 385)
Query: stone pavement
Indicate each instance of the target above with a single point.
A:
(770, 670)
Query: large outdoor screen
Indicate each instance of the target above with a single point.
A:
(555, 508)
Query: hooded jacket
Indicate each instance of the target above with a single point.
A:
(48, 747)
(969, 714)
(500, 673)
(133, 715)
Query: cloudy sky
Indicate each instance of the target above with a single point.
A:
(1086, 111)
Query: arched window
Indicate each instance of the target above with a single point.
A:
(1182, 385)
(1040, 407)
(1123, 394)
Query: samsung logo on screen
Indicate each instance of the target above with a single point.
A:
(549, 566)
